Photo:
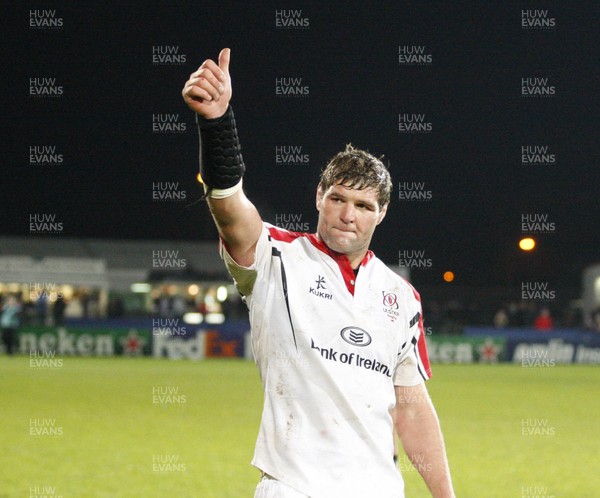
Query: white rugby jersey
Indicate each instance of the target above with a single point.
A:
(330, 346)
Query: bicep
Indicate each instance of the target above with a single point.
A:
(239, 225)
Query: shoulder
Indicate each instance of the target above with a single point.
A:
(283, 235)
(287, 240)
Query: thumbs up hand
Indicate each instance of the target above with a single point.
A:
(208, 90)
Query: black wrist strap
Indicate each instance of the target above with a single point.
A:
(221, 162)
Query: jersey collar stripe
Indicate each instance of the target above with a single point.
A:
(341, 259)
(285, 235)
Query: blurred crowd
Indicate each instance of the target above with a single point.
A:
(53, 309)
(169, 305)
(450, 316)
(527, 315)
(444, 316)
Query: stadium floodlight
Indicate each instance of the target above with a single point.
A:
(215, 318)
(222, 293)
(527, 244)
(448, 276)
(193, 318)
(139, 287)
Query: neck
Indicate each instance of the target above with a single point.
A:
(355, 258)
(355, 261)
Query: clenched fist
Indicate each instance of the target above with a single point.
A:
(208, 91)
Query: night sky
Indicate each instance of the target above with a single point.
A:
(343, 62)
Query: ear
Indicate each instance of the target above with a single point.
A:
(382, 213)
(319, 198)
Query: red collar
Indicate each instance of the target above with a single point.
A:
(341, 259)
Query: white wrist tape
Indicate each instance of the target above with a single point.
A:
(217, 193)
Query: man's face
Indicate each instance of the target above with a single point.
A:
(347, 219)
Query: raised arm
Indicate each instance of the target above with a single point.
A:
(208, 93)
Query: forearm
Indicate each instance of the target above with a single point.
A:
(222, 169)
(419, 430)
(221, 163)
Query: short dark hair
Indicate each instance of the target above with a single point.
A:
(356, 168)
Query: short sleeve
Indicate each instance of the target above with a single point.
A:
(413, 366)
(244, 277)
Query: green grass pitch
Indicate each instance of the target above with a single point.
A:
(144, 427)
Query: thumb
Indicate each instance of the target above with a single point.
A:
(224, 60)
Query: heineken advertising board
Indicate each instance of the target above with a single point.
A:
(175, 340)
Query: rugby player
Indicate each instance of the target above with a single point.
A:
(337, 336)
